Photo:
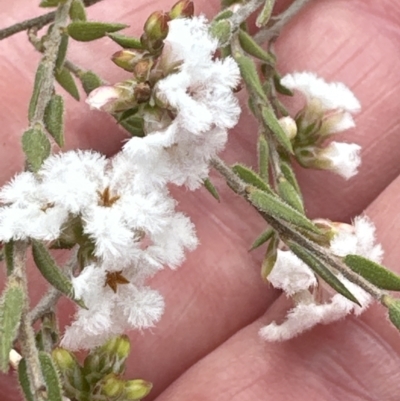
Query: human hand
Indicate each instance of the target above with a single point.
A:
(215, 303)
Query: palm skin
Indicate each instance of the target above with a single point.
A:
(206, 346)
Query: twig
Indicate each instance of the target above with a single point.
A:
(270, 32)
(242, 13)
(37, 22)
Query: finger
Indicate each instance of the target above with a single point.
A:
(356, 358)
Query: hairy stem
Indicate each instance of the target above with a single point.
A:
(37, 22)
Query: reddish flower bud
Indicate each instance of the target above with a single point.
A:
(126, 59)
(182, 9)
(156, 26)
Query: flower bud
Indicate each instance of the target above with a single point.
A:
(156, 26)
(119, 346)
(111, 386)
(289, 126)
(182, 9)
(64, 359)
(142, 92)
(142, 69)
(137, 389)
(126, 59)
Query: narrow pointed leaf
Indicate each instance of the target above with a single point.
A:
(36, 147)
(127, 42)
(86, 31)
(23, 379)
(77, 11)
(54, 119)
(251, 177)
(62, 51)
(211, 189)
(270, 257)
(251, 47)
(279, 209)
(223, 15)
(50, 376)
(11, 305)
(321, 270)
(290, 195)
(262, 239)
(288, 172)
(265, 13)
(49, 3)
(263, 158)
(393, 306)
(51, 272)
(67, 81)
(39, 78)
(9, 256)
(279, 87)
(373, 272)
(90, 81)
(272, 123)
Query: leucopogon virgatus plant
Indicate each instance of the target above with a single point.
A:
(116, 216)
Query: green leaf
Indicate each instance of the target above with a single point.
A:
(51, 272)
(270, 257)
(393, 306)
(90, 81)
(251, 177)
(279, 209)
(262, 239)
(39, 78)
(265, 13)
(251, 47)
(248, 71)
(134, 125)
(127, 42)
(54, 119)
(263, 158)
(221, 30)
(77, 11)
(36, 147)
(50, 376)
(86, 31)
(289, 194)
(373, 272)
(288, 172)
(223, 15)
(66, 80)
(9, 256)
(211, 189)
(11, 305)
(49, 3)
(279, 87)
(62, 52)
(321, 270)
(272, 123)
(24, 382)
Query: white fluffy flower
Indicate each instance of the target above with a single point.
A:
(295, 278)
(342, 158)
(199, 94)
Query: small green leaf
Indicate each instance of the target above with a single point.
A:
(263, 157)
(86, 31)
(134, 125)
(289, 194)
(265, 13)
(66, 80)
(77, 11)
(49, 3)
(321, 270)
(90, 81)
(279, 87)
(272, 123)
(50, 376)
(36, 147)
(24, 382)
(248, 71)
(393, 306)
(51, 272)
(270, 257)
(11, 305)
(9, 256)
(279, 209)
(127, 42)
(251, 47)
(39, 77)
(211, 189)
(262, 239)
(288, 172)
(251, 177)
(221, 30)
(54, 119)
(373, 272)
(223, 15)
(62, 52)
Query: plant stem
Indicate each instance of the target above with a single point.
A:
(37, 22)
(285, 231)
(244, 12)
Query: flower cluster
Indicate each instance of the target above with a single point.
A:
(119, 210)
(314, 304)
(328, 110)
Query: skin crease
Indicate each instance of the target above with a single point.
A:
(206, 346)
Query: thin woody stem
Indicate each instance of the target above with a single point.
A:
(37, 22)
(286, 231)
